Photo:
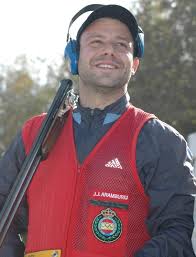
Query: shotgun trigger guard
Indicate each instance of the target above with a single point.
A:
(70, 102)
(72, 98)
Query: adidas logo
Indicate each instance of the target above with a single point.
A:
(114, 164)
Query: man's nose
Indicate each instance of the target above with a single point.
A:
(108, 49)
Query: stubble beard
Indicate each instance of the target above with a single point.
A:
(104, 83)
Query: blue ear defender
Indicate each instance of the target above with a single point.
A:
(71, 51)
(139, 51)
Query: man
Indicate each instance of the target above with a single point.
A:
(118, 181)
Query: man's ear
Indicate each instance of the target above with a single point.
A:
(135, 65)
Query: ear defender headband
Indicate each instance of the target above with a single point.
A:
(71, 51)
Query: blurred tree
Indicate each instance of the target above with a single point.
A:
(22, 95)
(165, 84)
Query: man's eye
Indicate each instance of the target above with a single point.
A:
(95, 43)
(122, 45)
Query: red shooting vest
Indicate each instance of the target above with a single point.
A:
(96, 209)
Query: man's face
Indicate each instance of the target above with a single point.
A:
(106, 55)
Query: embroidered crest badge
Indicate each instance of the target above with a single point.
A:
(107, 227)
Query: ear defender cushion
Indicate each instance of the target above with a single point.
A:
(140, 44)
(72, 54)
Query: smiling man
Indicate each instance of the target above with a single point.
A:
(106, 62)
(118, 182)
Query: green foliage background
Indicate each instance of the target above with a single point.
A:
(166, 82)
